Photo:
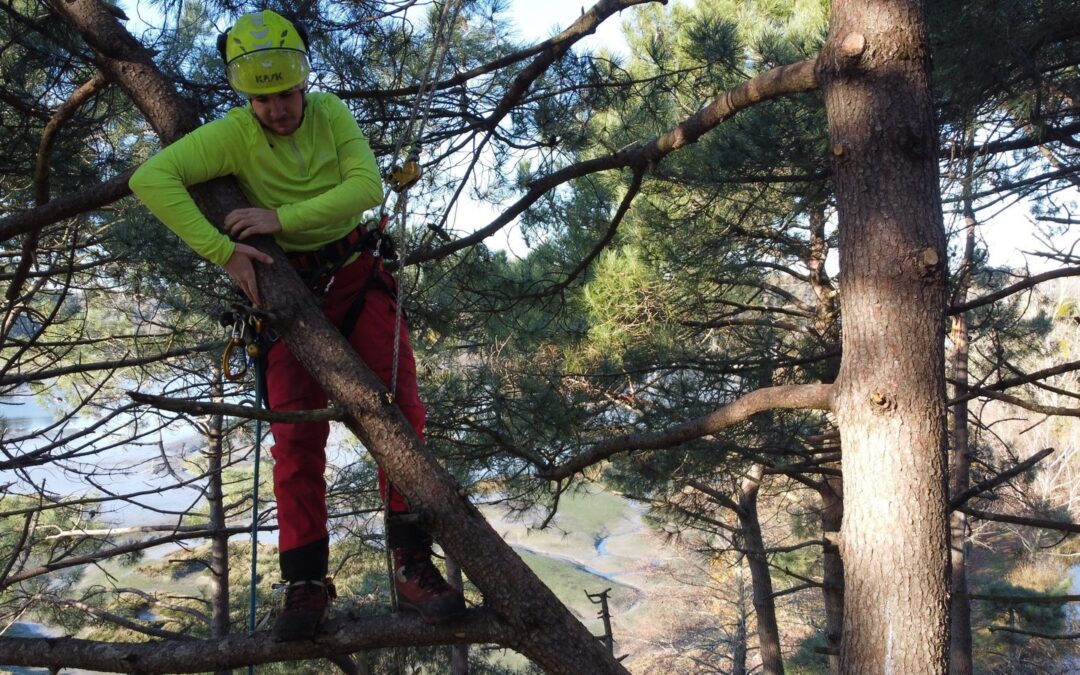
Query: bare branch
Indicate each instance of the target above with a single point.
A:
(1015, 288)
(181, 535)
(1045, 636)
(1058, 525)
(994, 481)
(194, 407)
(41, 375)
(789, 397)
(1025, 600)
(781, 81)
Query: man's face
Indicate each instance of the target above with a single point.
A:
(281, 112)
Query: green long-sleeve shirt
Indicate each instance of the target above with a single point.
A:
(320, 179)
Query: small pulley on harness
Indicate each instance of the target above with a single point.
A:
(249, 330)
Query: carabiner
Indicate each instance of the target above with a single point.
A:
(236, 340)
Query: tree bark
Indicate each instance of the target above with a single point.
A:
(772, 660)
(219, 543)
(739, 649)
(890, 396)
(543, 629)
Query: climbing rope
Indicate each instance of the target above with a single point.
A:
(260, 385)
(409, 172)
(248, 328)
(401, 179)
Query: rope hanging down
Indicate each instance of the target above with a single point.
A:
(406, 175)
(401, 178)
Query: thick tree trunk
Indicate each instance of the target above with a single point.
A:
(544, 630)
(960, 468)
(772, 661)
(832, 512)
(890, 397)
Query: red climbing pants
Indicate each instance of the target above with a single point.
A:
(300, 449)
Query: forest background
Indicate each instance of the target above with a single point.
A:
(753, 301)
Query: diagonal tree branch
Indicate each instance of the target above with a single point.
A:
(1005, 476)
(781, 81)
(790, 397)
(544, 630)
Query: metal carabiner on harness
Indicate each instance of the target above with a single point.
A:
(248, 330)
(239, 329)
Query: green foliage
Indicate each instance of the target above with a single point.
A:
(1044, 618)
(808, 660)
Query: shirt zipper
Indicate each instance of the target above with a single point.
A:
(299, 157)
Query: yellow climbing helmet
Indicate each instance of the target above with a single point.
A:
(264, 54)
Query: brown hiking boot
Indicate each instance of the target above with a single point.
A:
(305, 606)
(421, 588)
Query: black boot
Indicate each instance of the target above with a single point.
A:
(304, 609)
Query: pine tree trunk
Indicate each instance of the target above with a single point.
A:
(832, 513)
(219, 543)
(738, 652)
(772, 661)
(890, 399)
(960, 468)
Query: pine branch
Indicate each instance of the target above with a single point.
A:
(195, 407)
(789, 397)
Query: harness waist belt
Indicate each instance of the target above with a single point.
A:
(334, 254)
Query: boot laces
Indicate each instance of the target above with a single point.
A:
(418, 566)
(300, 594)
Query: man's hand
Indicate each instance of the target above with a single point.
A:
(242, 270)
(243, 223)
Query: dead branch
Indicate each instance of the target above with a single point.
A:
(994, 481)
(1015, 288)
(1036, 634)
(1058, 525)
(1018, 600)
(113, 551)
(194, 407)
(40, 375)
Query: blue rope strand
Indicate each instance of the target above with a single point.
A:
(255, 505)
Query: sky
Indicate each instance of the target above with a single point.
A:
(539, 19)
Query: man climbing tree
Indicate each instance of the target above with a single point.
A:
(302, 160)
